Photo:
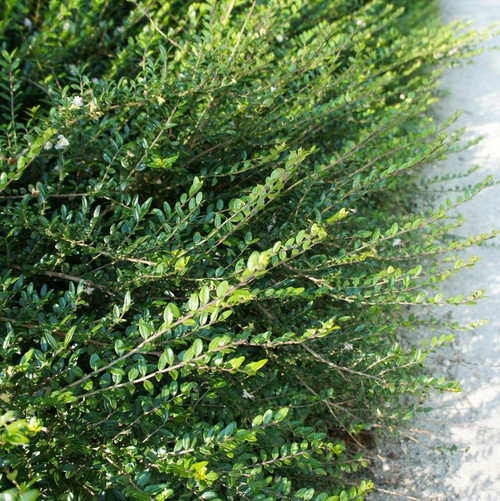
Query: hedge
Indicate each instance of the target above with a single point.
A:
(211, 244)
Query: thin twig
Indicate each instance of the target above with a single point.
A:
(65, 276)
(392, 493)
(339, 367)
(155, 26)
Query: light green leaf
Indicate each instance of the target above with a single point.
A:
(69, 336)
(255, 366)
(149, 386)
(281, 414)
(193, 302)
(133, 374)
(222, 288)
(197, 347)
(204, 295)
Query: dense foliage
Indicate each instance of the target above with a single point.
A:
(208, 243)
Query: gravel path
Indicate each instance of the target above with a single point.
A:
(422, 467)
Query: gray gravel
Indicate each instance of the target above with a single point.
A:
(420, 466)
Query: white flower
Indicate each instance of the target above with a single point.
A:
(273, 89)
(360, 22)
(66, 26)
(27, 23)
(247, 395)
(402, 97)
(273, 222)
(95, 80)
(396, 242)
(48, 145)
(62, 142)
(77, 102)
(348, 346)
(280, 38)
(120, 29)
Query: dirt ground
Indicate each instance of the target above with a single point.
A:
(421, 466)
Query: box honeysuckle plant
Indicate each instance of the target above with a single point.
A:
(210, 242)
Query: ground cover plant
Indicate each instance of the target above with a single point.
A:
(209, 244)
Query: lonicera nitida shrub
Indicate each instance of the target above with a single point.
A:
(209, 244)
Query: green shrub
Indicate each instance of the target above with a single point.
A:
(209, 243)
